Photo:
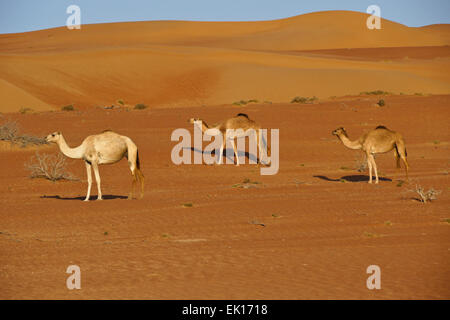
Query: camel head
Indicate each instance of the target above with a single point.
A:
(339, 131)
(53, 137)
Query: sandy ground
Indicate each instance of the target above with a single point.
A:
(323, 223)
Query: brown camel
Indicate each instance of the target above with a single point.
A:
(378, 140)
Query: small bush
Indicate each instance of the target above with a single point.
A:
(9, 131)
(426, 196)
(25, 110)
(304, 99)
(245, 102)
(68, 108)
(361, 164)
(50, 167)
(375, 93)
(120, 102)
(381, 103)
(140, 106)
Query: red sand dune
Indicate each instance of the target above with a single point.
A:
(178, 63)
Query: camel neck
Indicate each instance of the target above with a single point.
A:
(350, 144)
(74, 153)
(204, 126)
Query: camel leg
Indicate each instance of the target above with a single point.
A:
(133, 184)
(89, 179)
(369, 165)
(132, 164)
(235, 152)
(97, 179)
(141, 180)
(221, 149)
(406, 167)
(258, 145)
(397, 157)
(374, 168)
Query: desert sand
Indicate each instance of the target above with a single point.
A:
(180, 63)
(308, 232)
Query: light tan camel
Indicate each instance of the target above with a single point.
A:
(230, 130)
(378, 140)
(105, 148)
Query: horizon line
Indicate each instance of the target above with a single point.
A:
(220, 21)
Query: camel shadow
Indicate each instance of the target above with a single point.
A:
(228, 153)
(353, 178)
(105, 197)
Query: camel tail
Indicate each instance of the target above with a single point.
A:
(139, 174)
(135, 166)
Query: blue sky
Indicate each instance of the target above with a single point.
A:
(29, 15)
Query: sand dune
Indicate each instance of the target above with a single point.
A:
(178, 63)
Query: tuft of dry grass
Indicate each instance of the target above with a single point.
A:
(49, 166)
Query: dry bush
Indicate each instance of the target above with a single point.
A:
(426, 196)
(49, 166)
(9, 131)
(361, 163)
(304, 99)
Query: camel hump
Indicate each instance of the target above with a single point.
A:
(242, 115)
(381, 127)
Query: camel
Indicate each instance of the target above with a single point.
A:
(240, 121)
(378, 140)
(105, 148)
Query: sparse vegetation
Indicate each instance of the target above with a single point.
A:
(245, 102)
(120, 102)
(246, 183)
(50, 167)
(381, 103)
(140, 106)
(426, 196)
(68, 108)
(400, 183)
(304, 100)
(361, 164)
(375, 93)
(9, 131)
(187, 205)
(24, 110)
